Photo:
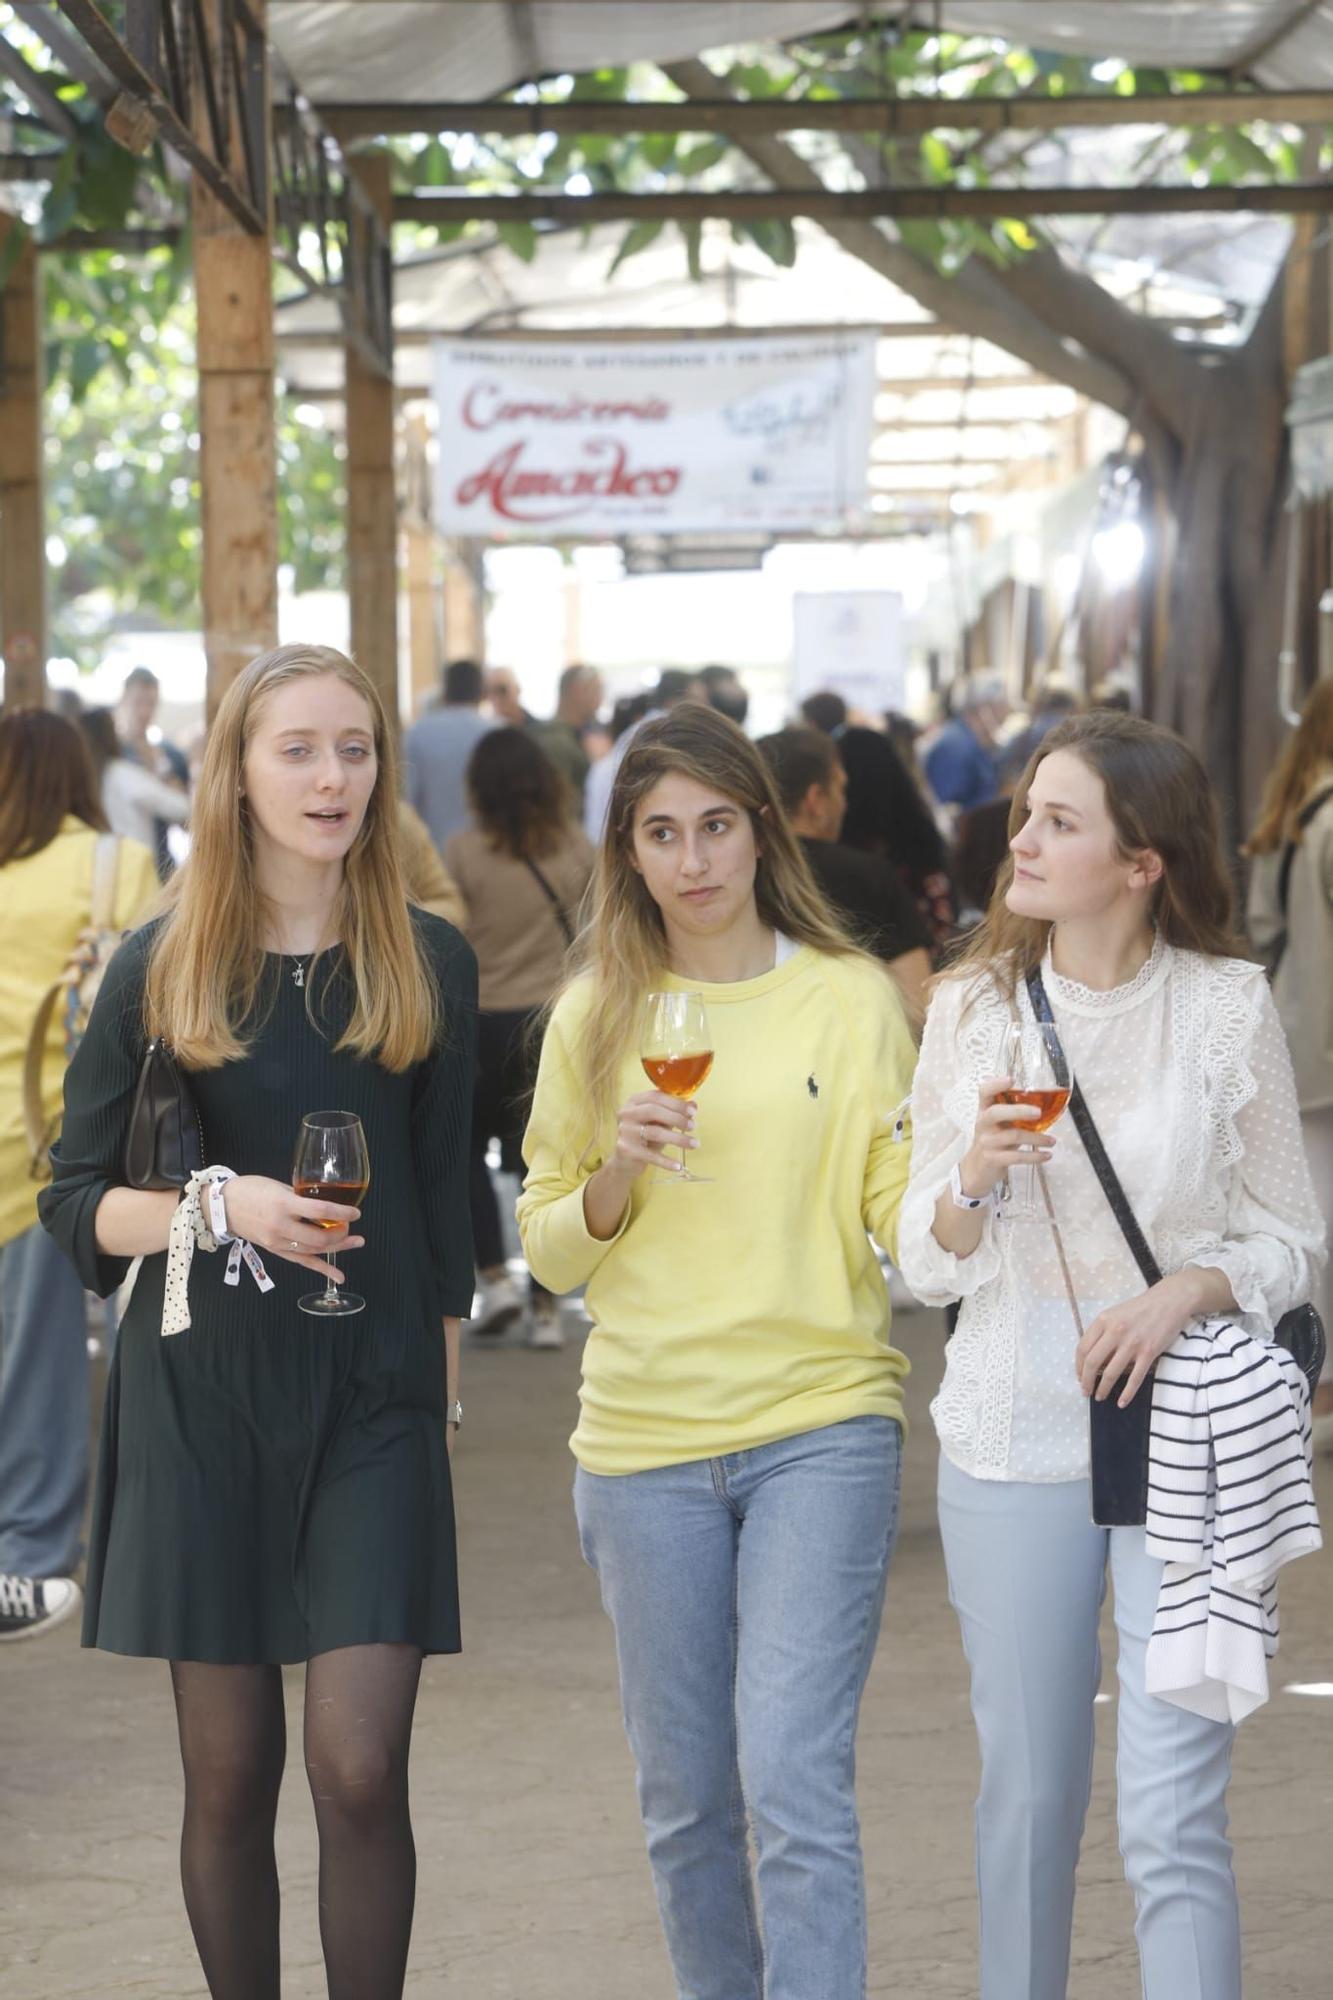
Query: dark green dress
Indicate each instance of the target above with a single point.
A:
(273, 1485)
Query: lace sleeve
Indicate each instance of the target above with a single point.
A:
(945, 1095)
(1274, 1246)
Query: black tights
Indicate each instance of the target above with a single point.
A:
(233, 1736)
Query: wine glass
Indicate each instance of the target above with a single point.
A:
(332, 1164)
(676, 1049)
(1034, 1061)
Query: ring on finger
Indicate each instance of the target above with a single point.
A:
(643, 1135)
(295, 1244)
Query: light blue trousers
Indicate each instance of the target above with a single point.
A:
(43, 1407)
(746, 1594)
(1027, 1574)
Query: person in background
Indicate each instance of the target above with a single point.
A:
(503, 699)
(740, 1430)
(50, 819)
(564, 737)
(674, 685)
(887, 816)
(142, 743)
(825, 711)
(437, 747)
(1290, 921)
(1118, 895)
(863, 889)
(1051, 704)
(136, 801)
(522, 869)
(725, 691)
(960, 762)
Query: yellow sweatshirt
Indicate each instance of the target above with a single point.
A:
(45, 901)
(732, 1314)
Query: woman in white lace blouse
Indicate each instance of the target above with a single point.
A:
(1117, 890)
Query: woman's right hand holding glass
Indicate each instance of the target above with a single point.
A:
(1001, 1139)
(646, 1123)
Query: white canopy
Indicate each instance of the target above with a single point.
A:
(408, 51)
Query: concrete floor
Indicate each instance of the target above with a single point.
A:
(533, 1883)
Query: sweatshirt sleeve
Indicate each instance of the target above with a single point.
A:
(100, 1082)
(441, 1121)
(561, 1252)
(944, 1111)
(892, 1054)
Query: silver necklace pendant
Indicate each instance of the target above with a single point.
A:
(298, 973)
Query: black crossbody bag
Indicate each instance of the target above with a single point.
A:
(566, 928)
(165, 1141)
(1119, 1438)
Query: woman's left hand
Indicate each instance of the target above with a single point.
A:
(1125, 1340)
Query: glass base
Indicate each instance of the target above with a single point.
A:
(665, 1178)
(325, 1307)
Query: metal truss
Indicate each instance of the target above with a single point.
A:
(226, 106)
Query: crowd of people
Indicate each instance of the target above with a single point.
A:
(870, 927)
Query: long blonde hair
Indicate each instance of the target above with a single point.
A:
(623, 947)
(1307, 756)
(1158, 796)
(207, 968)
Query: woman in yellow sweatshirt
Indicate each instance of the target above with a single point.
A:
(738, 1445)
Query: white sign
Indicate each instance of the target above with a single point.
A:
(852, 643)
(584, 439)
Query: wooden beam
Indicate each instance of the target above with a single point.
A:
(885, 117)
(233, 279)
(861, 204)
(23, 629)
(372, 509)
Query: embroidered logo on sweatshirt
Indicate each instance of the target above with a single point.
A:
(811, 1085)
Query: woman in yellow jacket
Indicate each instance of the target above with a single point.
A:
(50, 823)
(738, 1447)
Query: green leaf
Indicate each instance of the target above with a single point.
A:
(693, 232)
(520, 237)
(776, 238)
(636, 238)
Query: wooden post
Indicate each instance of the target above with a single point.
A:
(22, 537)
(372, 507)
(233, 280)
(464, 611)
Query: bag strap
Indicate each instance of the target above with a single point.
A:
(1303, 818)
(566, 928)
(1092, 1140)
(106, 858)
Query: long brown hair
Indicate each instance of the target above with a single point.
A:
(1158, 796)
(46, 776)
(518, 798)
(1307, 756)
(207, 968)
(623, 948)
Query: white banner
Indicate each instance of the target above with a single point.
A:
(851, 642)
(583, 440)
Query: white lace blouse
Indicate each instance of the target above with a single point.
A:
(1186, 1072)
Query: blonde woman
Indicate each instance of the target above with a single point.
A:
(1290, 917)
(738, 1444)
(1116, 894)
(274, 1487)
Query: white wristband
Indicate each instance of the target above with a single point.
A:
(961, 1200)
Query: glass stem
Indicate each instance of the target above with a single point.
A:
(330, 1289)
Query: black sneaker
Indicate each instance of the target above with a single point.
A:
(31, 1605)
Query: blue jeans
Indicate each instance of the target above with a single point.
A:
(746, 1594)
(43, 1407)
(1027, 1574)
